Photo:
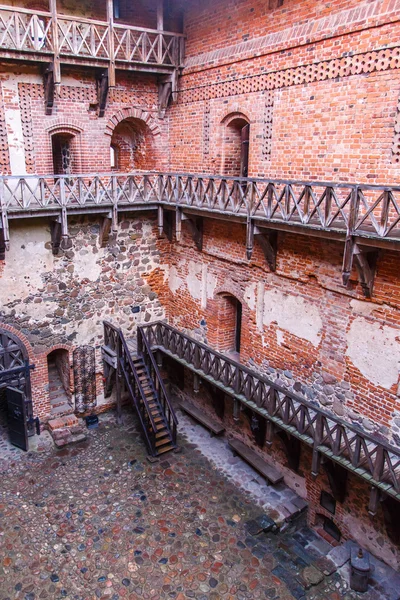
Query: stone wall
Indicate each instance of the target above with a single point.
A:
(61, 301)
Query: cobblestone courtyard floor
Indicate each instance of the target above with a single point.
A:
(97, 520)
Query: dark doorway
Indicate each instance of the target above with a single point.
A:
(237, 148)
(244, 152)
(62, 154)
(238, 335)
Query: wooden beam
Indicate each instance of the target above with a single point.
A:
(196, 229)
(165, 89)
(2, 245)
(168, 229)
(105, 230)
(292, 448)
(178, 224)
(102, 92)
(338, 477)
(49, 88)
(160, 15)
(269, 245)
(56, 59)
(374, 500)
(55, 233)
(111, 64)
(160, 221)
(365, 260)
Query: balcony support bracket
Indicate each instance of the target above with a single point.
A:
(49, 88)
(102, 92)
(167, 90)
(195, 225)
(105, 230)
(267, 240)
(365, 261)
(55, 232)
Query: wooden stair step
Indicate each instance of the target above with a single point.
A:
(163, 442)
(161, 434)
(166, 449)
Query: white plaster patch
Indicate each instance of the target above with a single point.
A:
(211, 285)
(12, 116)
(87, 265)
(250, 296)
(279, 337)
(174, 282)
(26, 260)
(293, 314)
(375, 351)
(193, 280)
(363, 308)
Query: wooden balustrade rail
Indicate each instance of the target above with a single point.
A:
(365, 211)
(74, 37)
(374, 460)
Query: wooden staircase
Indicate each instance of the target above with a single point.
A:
(133, 363)
(163, 436)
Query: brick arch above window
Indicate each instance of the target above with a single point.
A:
(60, 126)
(229, 289)
(234, 116)
(132, 113)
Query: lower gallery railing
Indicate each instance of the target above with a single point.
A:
(376, 462)
(355, 210)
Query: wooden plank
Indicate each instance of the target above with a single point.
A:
(197, 414)
(251, 457)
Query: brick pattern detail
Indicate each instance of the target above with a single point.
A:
(365, 62)
(25, 90)
(396, 141)
(268, 125)
(206, 131)
(5, 168)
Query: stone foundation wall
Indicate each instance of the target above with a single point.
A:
(61, 301)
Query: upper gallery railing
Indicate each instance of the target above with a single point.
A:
(360, 210)
(20, 30)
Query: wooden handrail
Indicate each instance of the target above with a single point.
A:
(326, 433)
(143, 340)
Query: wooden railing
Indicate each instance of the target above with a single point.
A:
(22, 31)
(115, 343)
(146, 353)
(355, 210)
(368, 457)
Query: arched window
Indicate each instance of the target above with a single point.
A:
(132, 141)
(227, 333)
(236, 146)
(114, 158)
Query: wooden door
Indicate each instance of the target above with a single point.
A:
(16, 417)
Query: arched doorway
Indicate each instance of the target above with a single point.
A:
(132, 146)
(59, 373)
(15, 374)
(236, 146)
(229, 329)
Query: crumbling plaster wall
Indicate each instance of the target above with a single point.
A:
(61, 301)
(300, 326)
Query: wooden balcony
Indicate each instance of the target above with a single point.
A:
(59, 39)
(363, 217)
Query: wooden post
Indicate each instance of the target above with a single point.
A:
(160, 29)
(56, 49)
(110, 21)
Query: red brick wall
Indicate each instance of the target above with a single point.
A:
(309, 275)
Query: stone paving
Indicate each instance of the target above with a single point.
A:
(97, 520)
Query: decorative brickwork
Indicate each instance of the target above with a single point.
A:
(396, 141)
(4, 153)
(353, 64)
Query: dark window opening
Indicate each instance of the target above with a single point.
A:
(328, 502)
(332, 529)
